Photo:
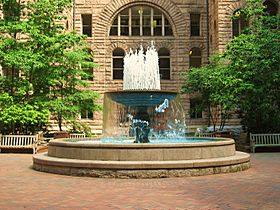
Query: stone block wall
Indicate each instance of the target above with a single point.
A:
(178, 14)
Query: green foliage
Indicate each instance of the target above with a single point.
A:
(21, 117)
(246, 74)
(216, 87)
(50, 60)
(11, 10)
(255, 59)
(79, 127)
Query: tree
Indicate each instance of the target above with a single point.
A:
(255, 59)
(216, 88)
(34, 43)
(251, 77)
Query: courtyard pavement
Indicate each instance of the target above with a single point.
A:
(255, 189)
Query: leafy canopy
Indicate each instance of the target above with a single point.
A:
(247, 74)
(43, 64)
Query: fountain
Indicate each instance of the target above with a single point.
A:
(143, 135)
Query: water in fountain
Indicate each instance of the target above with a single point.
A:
(141, 71)
(143, 116)
(142, 113)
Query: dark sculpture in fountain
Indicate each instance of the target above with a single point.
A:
(142, 116)
(142, 131)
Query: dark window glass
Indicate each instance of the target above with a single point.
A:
(195, 24)
(271, 8)
(168, 31)
(147, 22)
(87, 24)
(124, 30)
(85, 114)
(118, 55)
(114, 31)
(195, 57)
(118, 74)
(239, 23)
(117, 62)
(195, 108)
(124, 21)
(164, 63)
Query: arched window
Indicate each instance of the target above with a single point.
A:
(195, 57)
(118, 55)
(238, 23)
(164, 63)
(271, 8)
(141, 21)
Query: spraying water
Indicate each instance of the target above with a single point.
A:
(141, 71)
(142, 111)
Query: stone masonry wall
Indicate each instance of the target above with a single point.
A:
(177, 12)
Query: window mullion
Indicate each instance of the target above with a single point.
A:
(239, 27)
(135, 21)
(129, 22)
(141, 21)
(119, 24)
(152, 22)
(162, 27)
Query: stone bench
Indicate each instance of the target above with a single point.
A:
(200, 133)
(19, 142)
(77, 135)
(264, 140)
(207, 135)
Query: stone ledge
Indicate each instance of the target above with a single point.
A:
(142, 169)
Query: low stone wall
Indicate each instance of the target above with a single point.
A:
(144, 169)
(141, 152)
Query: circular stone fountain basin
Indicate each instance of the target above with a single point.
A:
(93, 158)
(141, 152)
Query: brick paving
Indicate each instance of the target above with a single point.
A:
(23, 188)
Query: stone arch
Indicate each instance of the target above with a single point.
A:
(203, 51)
(238, 5)
(233, 7)
(168, 8)
(200, 46)
(126, 47)
(166, 45)
(115, 45)
(229, 10)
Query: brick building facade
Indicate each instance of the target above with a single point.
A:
(185, 33)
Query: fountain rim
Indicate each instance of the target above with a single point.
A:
(145, 90)
(67, 142)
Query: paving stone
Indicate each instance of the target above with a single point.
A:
(257, 188)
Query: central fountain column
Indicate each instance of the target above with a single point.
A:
(141, 71)
(142, 110)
